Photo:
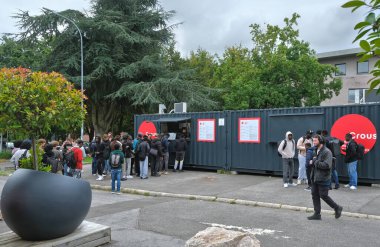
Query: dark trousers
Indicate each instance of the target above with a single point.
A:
(99, 166)
(308, 174)
(287, 170)
(154, 164)
(94, 165)
(132, 165)
(137, 165)
(319, 192)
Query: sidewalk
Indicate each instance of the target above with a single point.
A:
(366, 200)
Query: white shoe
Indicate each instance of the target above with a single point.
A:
(112, 192)
(347, 186)
(299, 181)
(353, 188)
(286, 185)
(100, 178)
(129, 177)
(118, 193)
(293, 184)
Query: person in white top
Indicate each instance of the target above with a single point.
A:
(287, 149)
(302, 177)
(22, 152)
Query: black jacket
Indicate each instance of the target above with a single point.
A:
(180, 145)
(156, 144)
(322, 163)
(350, 152)
(127, 148)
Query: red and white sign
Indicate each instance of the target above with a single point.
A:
(206, 130)
(147, 127)
(249, 130)
(361, 128)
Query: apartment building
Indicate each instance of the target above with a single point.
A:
(354, 74)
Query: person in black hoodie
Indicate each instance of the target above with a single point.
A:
(155, 154)
(180, 150)
(351, 160)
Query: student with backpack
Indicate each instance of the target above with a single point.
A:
(350, 147)
(287, 150)
(116, 161)
(143, 152)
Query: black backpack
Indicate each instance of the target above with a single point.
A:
(359, 151)
(70, 160)
(55, 164)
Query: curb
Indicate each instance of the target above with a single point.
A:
(233, 201)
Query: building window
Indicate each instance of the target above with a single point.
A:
(363, 67)
(341, 69)
(356, 96)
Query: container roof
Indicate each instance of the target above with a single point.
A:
(171, 120)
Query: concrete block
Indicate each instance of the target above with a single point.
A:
(88, 234)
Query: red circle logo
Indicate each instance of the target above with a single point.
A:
(147, 128)
(361, 128)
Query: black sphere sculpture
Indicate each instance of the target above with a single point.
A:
(41, 206)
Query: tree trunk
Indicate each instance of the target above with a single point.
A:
(35, 164)
(103, 115)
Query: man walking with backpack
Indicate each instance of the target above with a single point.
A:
(116, 160)
(350, 147)
(287, 150)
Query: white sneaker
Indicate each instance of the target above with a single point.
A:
(299, 181)
(112, 192)
(353, 188)
(293, 184)
(129, 177)
(347, 186)
(286, 185)
(118, 193)
(100, 178)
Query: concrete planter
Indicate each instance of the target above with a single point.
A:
(42, 206)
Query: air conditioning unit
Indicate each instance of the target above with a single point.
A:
(180, 107)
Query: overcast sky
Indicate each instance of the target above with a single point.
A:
(214, 25)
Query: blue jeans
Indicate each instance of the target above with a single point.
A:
(115, 176)
(94, 168)
(144, 168)
(107, 167)
(352, 173)
(334, 178)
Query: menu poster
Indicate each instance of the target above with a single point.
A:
(206, 130)
(249, 130)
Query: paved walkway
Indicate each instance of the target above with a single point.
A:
(366, 200)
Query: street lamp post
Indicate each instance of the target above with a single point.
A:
(81, 61)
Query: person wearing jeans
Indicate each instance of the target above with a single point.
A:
(349, 147)
(353, 174)
(116, 161)
(302, 175)
(143, 152)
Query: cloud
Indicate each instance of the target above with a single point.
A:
(216, 24)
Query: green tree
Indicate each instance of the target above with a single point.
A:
(124, 69)
(369, 36)
(14, 53)
(32, 103)
(280, 71)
